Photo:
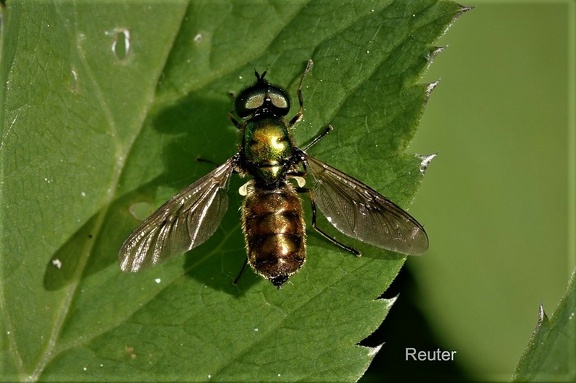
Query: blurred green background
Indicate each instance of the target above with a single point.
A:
(498, 201)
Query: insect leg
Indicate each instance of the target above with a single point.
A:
(233, 120)
(320, 136)
(235, 160)
(215, 164)
(300, 113)
(207, 161)
(322, 232)
(241, 272)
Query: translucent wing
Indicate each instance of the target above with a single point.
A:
(184, 222)
(360, 212)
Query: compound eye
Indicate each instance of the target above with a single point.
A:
(254, 101)
(262, 99)
(279, 100)
(249, 101)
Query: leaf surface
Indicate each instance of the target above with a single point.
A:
(105, 109)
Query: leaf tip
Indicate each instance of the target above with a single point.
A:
(460, 10)
(435, 51)
(430, 87)
(389, 301)
(425, 160)
(372, 351)
(463, 9)
(542, 317)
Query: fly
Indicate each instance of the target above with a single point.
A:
(272, 214)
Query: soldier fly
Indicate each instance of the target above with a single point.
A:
(272, 214)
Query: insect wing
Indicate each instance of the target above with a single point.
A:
(360, 212)
(182, 223)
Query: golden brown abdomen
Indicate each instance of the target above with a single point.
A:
(274, 231)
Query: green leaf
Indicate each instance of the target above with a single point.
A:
(105, 109)
(550, 355)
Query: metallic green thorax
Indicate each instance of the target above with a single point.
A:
(267, 148)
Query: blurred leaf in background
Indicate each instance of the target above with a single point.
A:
(105, 108)
(499, 200)
(551, 353)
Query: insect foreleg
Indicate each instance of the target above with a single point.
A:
(234, 121)
(300, 113)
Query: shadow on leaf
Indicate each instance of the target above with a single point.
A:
(189, 130)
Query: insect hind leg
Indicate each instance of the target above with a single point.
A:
(235, 283)
(322, 232)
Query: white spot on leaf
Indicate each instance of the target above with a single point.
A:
(120, 43)
(57, 263)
